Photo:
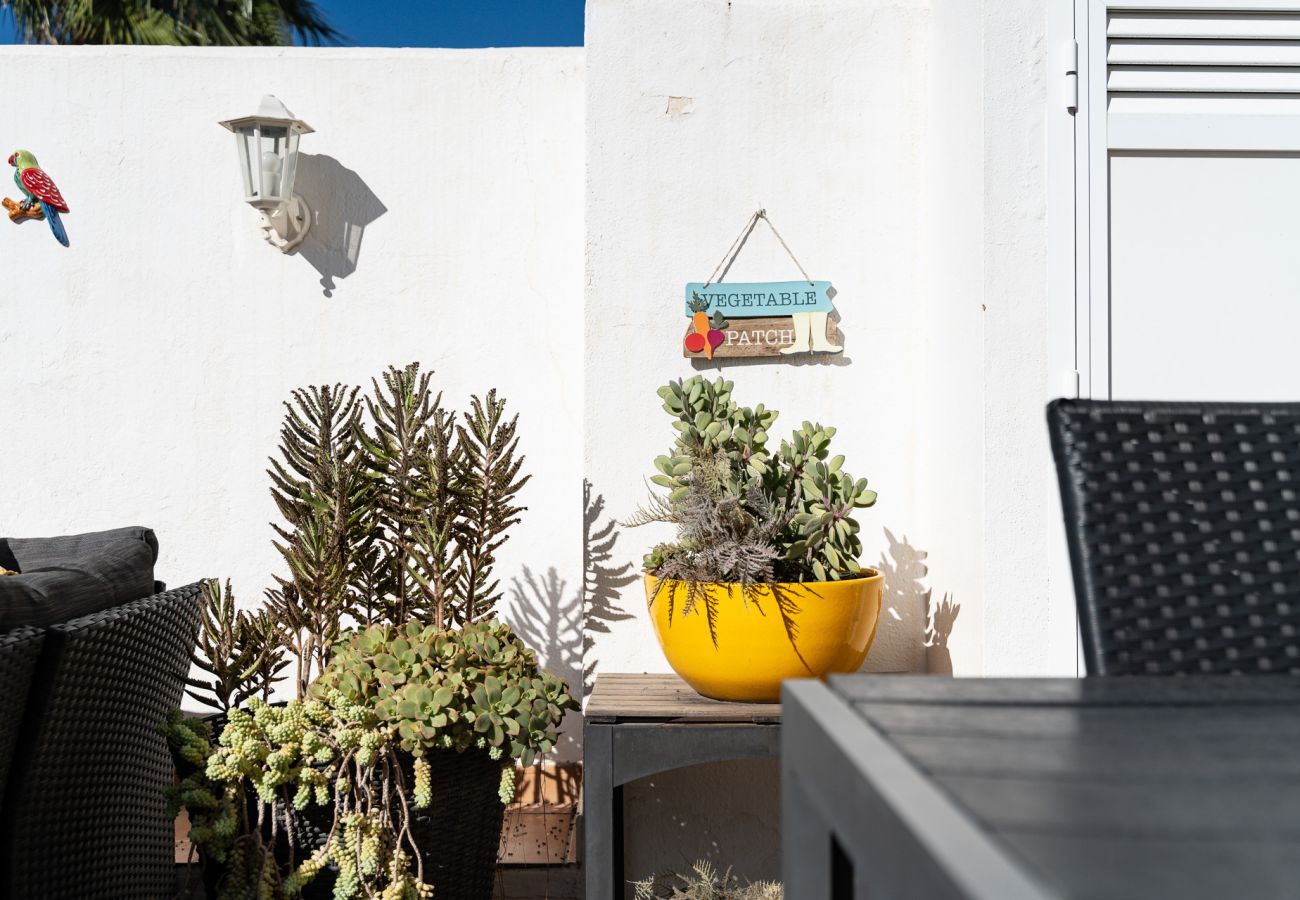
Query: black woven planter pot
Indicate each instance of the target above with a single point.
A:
(458, 835)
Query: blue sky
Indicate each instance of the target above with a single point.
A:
(442, 23)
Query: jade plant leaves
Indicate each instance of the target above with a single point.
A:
(478, 686)
(747, 513)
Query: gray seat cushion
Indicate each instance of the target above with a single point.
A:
(61, 578)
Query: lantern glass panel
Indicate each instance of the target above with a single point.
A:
(270, 159)
(290, 163)
(246, 140)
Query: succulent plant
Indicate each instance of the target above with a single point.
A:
(312, 752)
(444, 492)
(414, 690)
(704, 882)
(239, 651)
(746, 513)
(319, 489)
(478, 686)
(393, 511)
(723, 448)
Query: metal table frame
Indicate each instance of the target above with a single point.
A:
(898, 826)
(668, 727)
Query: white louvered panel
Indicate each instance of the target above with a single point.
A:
(1232, 6)
(1154, 79)
(1238, 62)
(1231, 133)
(1282, 105)
(1203, 53)
(1204, 25)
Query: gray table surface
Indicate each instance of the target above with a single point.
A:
(1096, 788)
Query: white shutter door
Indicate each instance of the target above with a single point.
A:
(1193, 191)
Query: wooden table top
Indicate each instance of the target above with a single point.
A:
(619, 697)
(1109, 788)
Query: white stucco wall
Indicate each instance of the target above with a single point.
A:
(815, 111)
(989, 490)
(899, 148)
(1029, 626)
(144, 368)
(897, 144)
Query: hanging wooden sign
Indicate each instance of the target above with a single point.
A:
(740, 300)
(760, 337)
(767, 318)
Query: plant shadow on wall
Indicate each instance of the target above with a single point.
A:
(344, 206)
(602, 578)
(559, 624)
(911, 625)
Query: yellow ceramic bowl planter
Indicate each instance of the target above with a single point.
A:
(778, 517)
(835, 622)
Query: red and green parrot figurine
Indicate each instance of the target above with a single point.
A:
(42, 196)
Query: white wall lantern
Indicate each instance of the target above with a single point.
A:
(268, 158)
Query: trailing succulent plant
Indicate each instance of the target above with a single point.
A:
(704, 882)
(385, 692)
(747, 513)
(238, 651)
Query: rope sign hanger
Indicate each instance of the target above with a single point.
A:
(734, 250)
(766, 318)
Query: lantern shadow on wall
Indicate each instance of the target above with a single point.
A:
(343, 206)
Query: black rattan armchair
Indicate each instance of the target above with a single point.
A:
(84, 814)
(18, 651)
(1183, 521)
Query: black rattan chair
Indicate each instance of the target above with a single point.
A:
(18, 651)
(1183, 521)
(84, 813)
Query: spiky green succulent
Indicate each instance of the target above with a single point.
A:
(705, 882)
(747, 514)
(239, 652)
(722, 448)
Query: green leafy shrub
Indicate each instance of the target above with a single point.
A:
(746, 513)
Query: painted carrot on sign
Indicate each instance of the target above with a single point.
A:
(706, 335)
(699, 339)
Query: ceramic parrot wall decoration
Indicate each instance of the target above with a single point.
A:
(41, 197)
